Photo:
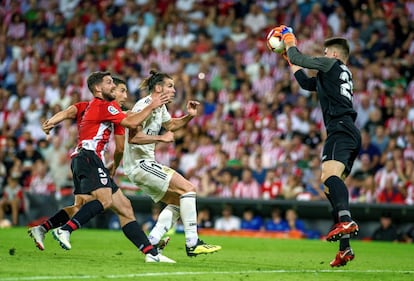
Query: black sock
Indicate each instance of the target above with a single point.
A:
(344, 242)
(135, 234)
(334, 213)
(340, 197)
(85, 214)
(58, 219)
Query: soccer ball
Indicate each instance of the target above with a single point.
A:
(275, 42)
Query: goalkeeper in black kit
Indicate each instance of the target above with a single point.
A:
(333, 85)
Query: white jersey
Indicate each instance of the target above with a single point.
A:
(151, 126)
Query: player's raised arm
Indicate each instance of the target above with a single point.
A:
(134, 119)
(297, 59)
(68, 113)
(176, 123)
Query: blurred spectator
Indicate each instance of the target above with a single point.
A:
(255, 19)
(28, 157)
(17, 27)
(118, 30)
(294, 223)
(293, 186)
(41, 192)
(276, 221)
(204, 218)
(95, 24)
(247, 187)
(390, 193)
(134, 43)
(227, 221)
(386, 174)
(225, 183)
(56, 155)
(272, 186)
(361, 182)
(370, 149)
(250, 220)
(12, 200)
(386, 231)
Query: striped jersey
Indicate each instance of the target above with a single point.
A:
(97, 123)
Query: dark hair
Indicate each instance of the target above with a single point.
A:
(154, 79)
(118, 81)
(340, 43)
(96, 78)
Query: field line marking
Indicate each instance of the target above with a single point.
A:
(151, 274)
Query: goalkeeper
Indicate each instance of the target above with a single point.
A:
(333, 85)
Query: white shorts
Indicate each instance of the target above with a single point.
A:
(152, 178)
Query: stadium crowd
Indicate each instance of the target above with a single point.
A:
(258, 136)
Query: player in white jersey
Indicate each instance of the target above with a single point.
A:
(158, 181)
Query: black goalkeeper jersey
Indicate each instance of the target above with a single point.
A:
(333, 84)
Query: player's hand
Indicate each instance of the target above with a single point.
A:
(46, 127)
(192, 107)
(168, 136)
(158, 100)
(287, 35)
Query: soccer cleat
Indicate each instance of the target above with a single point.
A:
(342, 257)
(62, 236)
(201, 248)
(38, 234)
(162, 244)
(342, 228)
(158, 258)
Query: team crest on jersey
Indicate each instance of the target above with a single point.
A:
(113, 110)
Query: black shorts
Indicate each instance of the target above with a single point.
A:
(89, 173)
(342, 144)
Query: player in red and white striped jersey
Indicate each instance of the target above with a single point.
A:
(120, 204)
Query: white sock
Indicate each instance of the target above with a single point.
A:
(188, 213)
(167, 218)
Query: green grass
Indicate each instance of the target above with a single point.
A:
(108, 255)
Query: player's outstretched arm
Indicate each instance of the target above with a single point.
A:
(68, 113)
(176, 123)
(136, 136)
(134, 119)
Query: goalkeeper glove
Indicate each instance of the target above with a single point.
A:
(287, 35)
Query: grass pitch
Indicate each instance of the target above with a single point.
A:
(108, 255)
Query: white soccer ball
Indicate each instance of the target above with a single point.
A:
(275, 42)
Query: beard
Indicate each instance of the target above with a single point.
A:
(108, 96)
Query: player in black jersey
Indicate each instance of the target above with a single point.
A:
(333, 84)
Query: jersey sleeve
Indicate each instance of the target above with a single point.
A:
(81, 107)
(166, 116)
(319, 63)
(119, 130)
(112, 112)
(307, 83)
